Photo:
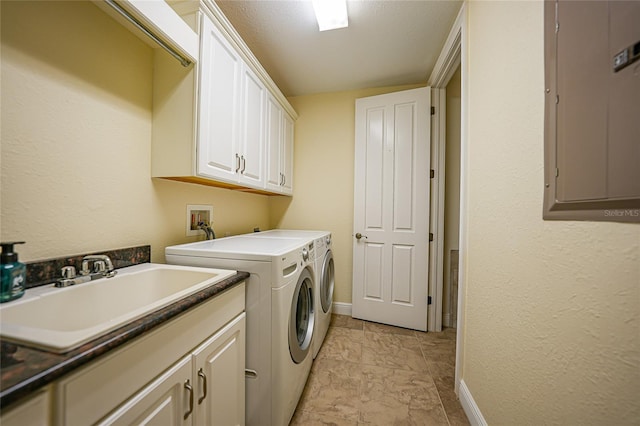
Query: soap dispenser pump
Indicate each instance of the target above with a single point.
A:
(13, 273)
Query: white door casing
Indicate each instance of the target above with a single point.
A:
(391, 208)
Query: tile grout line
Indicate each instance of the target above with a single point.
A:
(424, 357)
(362, 384)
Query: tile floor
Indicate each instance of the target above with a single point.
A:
(373, 374)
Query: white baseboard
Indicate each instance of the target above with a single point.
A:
(340, 308)
(469, 405)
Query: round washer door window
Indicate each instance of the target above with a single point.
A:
(327, 282)
(302, 318)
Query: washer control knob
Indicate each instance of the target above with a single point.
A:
(305, 254)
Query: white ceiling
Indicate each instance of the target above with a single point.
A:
(388, 42)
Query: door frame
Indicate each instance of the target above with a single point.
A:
(452, 55)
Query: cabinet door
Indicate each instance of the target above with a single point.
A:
(273, 144)
(166, 401)
(287, 154)
(34, 412)
(219, 102)
(219, 370)
(252, 141)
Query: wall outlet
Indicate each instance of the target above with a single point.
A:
(198, 213)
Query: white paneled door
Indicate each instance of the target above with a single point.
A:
(391, 208)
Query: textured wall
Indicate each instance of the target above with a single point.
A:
(552, 318)
(76, 138)
(323, 175)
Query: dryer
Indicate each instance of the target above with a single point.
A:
(325, 283)
(324, 279)
(280, 310)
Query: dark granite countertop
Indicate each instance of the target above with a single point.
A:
(25, 369)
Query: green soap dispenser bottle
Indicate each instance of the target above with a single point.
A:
(13, 273)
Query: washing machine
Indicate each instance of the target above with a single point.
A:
(324, 279)
(280, 310)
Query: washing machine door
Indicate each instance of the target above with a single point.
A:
(302, 318)
(327, 282)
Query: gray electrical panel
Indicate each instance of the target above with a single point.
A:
(592, 110)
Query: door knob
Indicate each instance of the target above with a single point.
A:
(359, 235)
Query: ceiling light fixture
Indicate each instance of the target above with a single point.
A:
(331, 14)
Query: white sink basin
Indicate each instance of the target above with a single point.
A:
(61, 319)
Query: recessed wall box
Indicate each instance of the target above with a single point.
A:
(197, 213)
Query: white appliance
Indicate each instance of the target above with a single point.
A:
(324, 279)
(280, 316)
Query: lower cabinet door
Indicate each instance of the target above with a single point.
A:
(168, 400)
(35, 411)
(219, 371)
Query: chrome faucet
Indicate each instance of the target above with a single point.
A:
(101, 265)
(102, 268)
(208, 230)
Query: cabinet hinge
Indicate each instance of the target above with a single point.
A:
(428, 300)
(433, 110)
(430, 236)
(432, 174)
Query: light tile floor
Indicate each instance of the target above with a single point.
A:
(374, 374)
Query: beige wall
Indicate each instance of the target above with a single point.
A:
(76, 137)
(323, 175)
(552, 318)
(451, 195)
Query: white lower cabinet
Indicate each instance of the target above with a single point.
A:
(189, 371)
(35, 411)
(204, 388)
(218, 370)
(163, 402)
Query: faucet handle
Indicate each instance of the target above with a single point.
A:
(68, 272)
(99, 267)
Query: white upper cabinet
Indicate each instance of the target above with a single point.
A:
(279, 149)
(212, 123)
(252, 142)
(219, 106)
(274, 141)
(287, 155)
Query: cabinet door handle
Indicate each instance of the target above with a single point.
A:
(204, 386)
(237, 163)
(187, 386)
(244, 164)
